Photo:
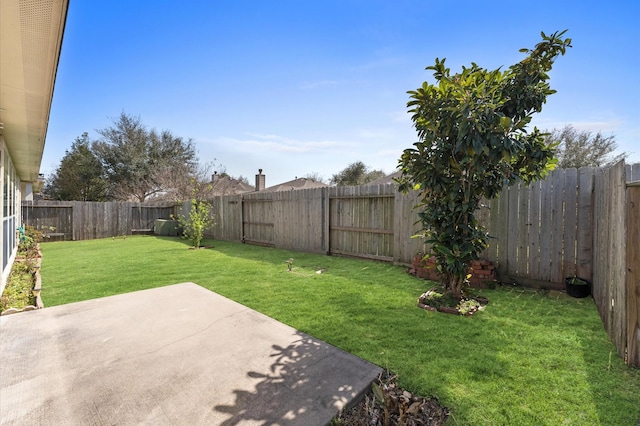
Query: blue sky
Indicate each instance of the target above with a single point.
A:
(300, 87)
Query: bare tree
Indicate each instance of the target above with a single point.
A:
(581, 148)
(315, 176)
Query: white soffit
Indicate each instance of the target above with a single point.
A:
(30, 41)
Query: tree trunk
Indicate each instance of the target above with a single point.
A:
(455, 284)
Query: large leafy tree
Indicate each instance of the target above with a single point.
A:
(473, 139)
(140, 163)
(356, 173)
(581, 148)
(80, 175)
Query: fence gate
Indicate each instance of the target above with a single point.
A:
(258, 220)
(361, 221)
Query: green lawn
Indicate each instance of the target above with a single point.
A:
(530, 358)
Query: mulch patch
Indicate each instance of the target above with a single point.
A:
(400, 407)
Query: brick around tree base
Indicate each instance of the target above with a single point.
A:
(483, 272)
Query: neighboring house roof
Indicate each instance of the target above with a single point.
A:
(30, 43)
(225, 185)
(385, 180)
(300, 183)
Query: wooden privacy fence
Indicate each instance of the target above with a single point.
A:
(540, 233)
(616, 256)
(365, 221)
(577, 222)
(78, 220)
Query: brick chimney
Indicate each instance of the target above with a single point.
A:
(214, 177)
(260, 181)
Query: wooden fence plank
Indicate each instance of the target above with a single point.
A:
(557, 226)
(618, 260)
(512, 232)
(522, 236)
(546, 208)
(585, 231)
(633, 275)
(502, 234)
(600, 215)
(534, 230)
(569, 231)
(78, 221)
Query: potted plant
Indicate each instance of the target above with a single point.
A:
(577, 287)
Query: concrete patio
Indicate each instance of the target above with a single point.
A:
(172, 355)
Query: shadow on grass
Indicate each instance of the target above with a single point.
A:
(279, 256)
(307, 384)
(603, 364)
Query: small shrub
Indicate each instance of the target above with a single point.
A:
(468, 306)
(29, 238)
(199, 220)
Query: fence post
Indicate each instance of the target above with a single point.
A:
(325, 219)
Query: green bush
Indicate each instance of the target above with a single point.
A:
(199, 220)
(29, 238)
(17, 293)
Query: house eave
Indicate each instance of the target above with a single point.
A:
(31, 35)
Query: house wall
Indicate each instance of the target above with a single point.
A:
(11, 216)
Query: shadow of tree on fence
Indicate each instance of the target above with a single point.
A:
(308, 383)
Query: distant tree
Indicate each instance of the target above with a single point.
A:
(241, 178)
(356, 173)
(583, 149)
(138, 162)
(315, 176)
(80, 175)
(472, 141)
(179, 181)
(222, 171)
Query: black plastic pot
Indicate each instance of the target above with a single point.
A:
(577, 287)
